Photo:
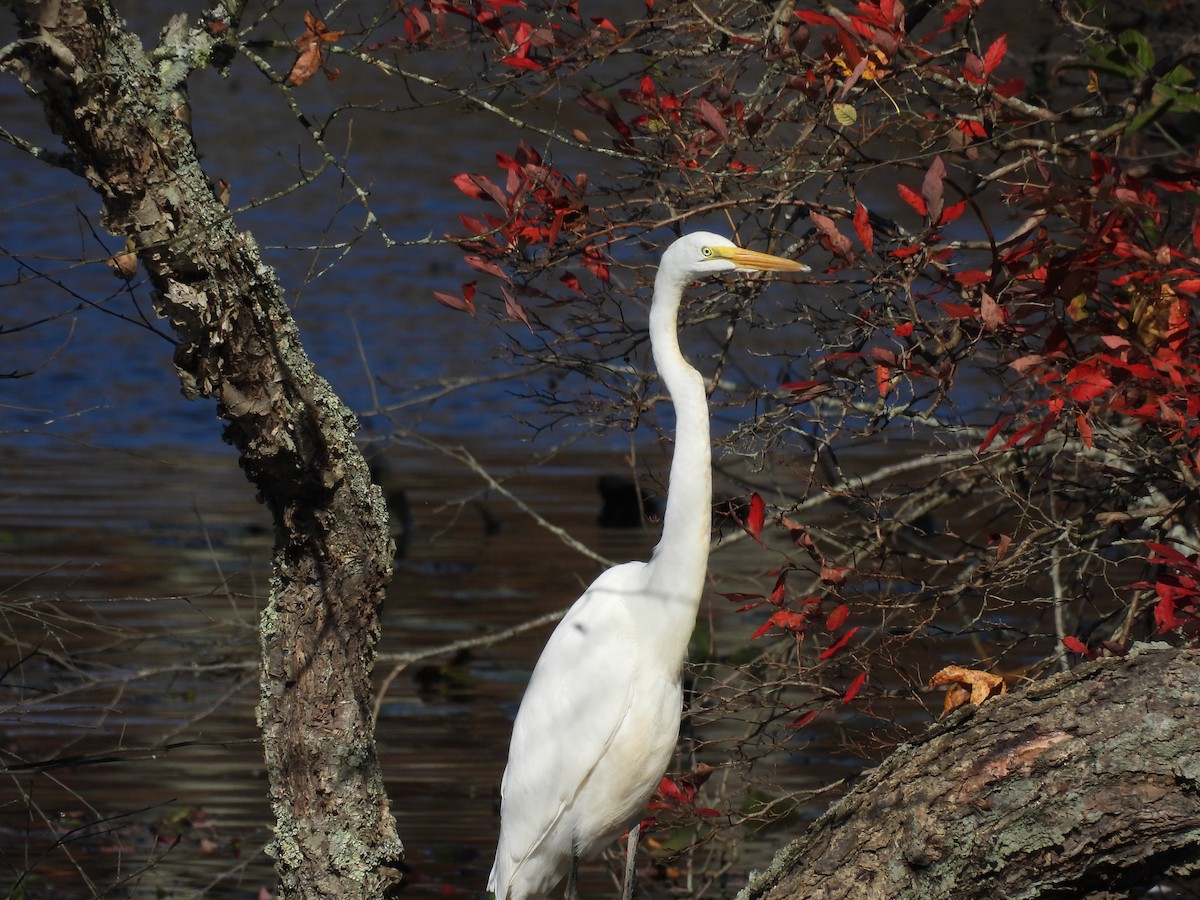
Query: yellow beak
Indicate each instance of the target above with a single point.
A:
(759, 262)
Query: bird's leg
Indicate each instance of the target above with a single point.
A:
(631, 861)
(572, 875)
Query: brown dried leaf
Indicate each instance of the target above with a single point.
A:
(125, 263)
(1151, 315)
(981, 685)
(311, 45)
(838, 242)
(956, 696)
(932, 189)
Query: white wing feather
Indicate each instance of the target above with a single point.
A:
(600, 717)
(580, 699)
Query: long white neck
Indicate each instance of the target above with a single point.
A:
(678, 568)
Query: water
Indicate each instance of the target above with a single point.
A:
(132, 585)
(134, 559)
(131, 631)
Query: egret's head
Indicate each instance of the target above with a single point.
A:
(702, 254)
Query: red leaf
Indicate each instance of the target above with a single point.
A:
(513, 308)
(555, 227)
(837, 617)
(850, 49)
(904, 330)
(799, 387)
(593, 260)
(884, 356)
(834, 574)
(1032, 434)
(785, 619)
(883, 380)
(837, 645)
(1168, 555)
(803, 539)
(1085, 430)
(473, 225)
(992, 432)
(1087, 382)
(972, 70)
(522, 62)
(737, 597)
(804, 719)
(1075, 645)
(993, 314)
(956, 13)
(972, 128)
(482, 265)
(952, 212)
(836, 241)
(995, 54)
(862, 225)
(1179, 590)
(814, 18)
(972, 277)
(1009, 88)
(887, 9)
(960, 310)
(671, 791)
(1002, 542)
(572, 282)
(855, 687)
(416, 25)
(912, 198)
(755, 517)
(778, 592)
(465, 303)
(479, 187)
(1165, 616)
(711, 117)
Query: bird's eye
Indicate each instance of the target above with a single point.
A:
(706, 252)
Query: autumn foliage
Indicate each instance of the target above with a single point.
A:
(1010, 263)
(961, 453)
(973, 438)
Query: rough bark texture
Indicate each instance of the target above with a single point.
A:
(120, 115)
(1083, 785)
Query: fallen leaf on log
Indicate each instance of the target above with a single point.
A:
(967, 686)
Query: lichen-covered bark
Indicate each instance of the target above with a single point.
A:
(1083, 785)
(119, 113)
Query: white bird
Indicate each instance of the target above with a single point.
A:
(600, 718)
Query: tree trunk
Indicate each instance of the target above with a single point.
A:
(120, 115)
(1083, 785)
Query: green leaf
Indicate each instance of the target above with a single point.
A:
(1106, 59)
(845, 114)
(1177, 88)
(1137, 47)
(1179, 76)
(1146, 116)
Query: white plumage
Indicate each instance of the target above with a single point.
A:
(600, 718)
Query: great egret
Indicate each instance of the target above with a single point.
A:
(600, 717)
